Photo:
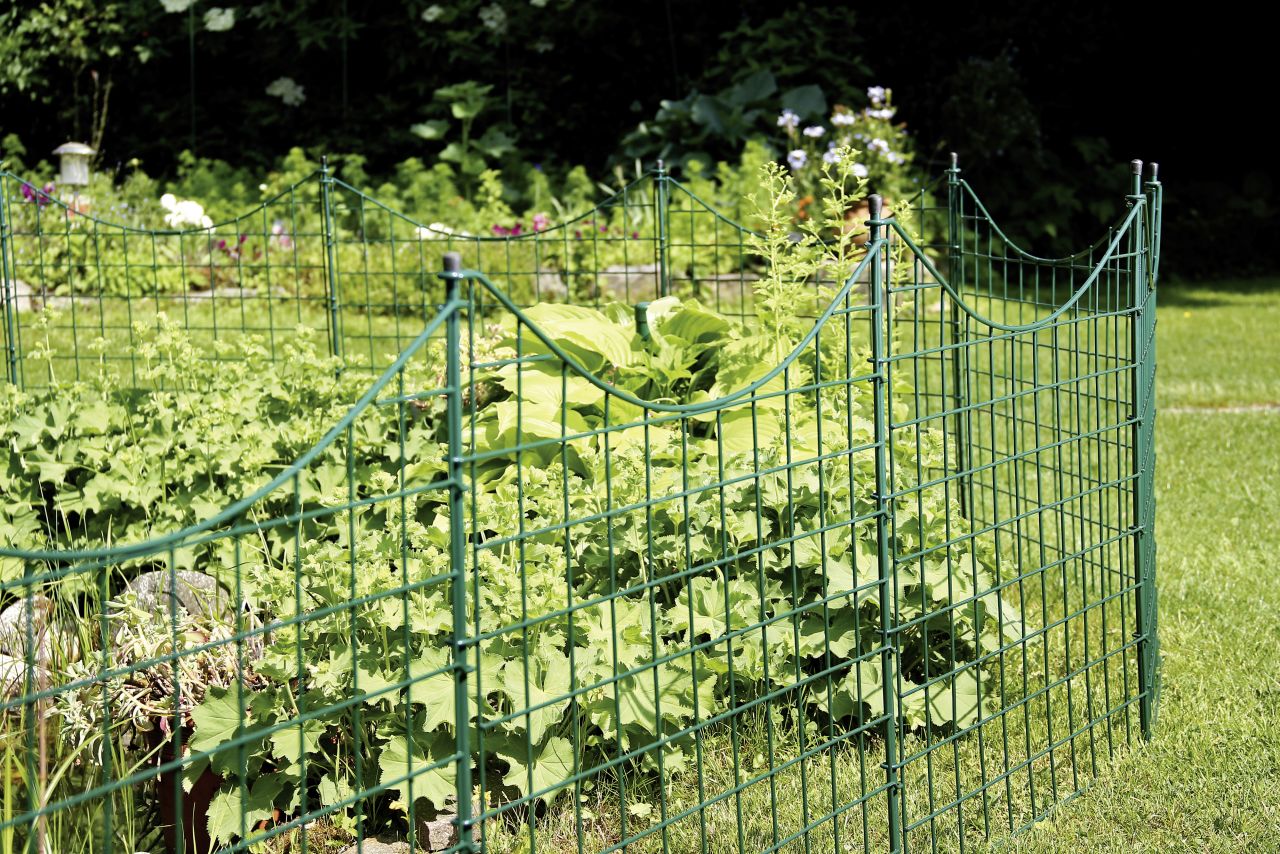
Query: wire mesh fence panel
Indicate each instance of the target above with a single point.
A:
(569, 546)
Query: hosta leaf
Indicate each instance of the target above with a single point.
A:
(740, 430)
(583, 332)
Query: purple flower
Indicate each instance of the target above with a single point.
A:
(41, 197)
(635, 235)
(541, 222)
(796, 159)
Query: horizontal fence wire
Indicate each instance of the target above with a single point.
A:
(552, 549)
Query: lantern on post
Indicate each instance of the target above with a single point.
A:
(74, 164)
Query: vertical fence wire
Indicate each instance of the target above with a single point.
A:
(713, 590)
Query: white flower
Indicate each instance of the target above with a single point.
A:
(287, 90)
(176, 5)
(896, 158)
(886, 113)
(788, 119)
(796, 159)
(262, 188)
(494, 17)
(432, 12)
(219, 19)
(434, 231)
(832, 155)
(184, 213)
(876, 94)
(843, 119)
(858, 170)
(878, 145)
(815, 131)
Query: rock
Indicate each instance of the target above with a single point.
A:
(373, 846)
(13, 677)
(728, 290)
(63, 303)
(437, 834)
(629, 283)
(20, 294)
(549, 286)
(30, 617)
(223, 293)
(198, 593)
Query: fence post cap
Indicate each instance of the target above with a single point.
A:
(875, 204)
(955, 161)
(1153, 170)
(452, 262)
(1135, 166)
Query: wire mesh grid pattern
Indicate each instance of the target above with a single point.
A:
(541, 587)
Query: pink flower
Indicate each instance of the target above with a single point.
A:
(541, 222)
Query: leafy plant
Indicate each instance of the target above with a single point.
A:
(702, 126)
(466, 102)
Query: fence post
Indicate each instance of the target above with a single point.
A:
(330, 267)
(453, 276)
(660, 194)
(1154, 205)
(888, 637)
(8, 287)
(959, 356)
(1140, 328)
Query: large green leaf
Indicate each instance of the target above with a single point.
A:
(582, 332)
(808, 101)
(217, 719)
(404, 757)
(552, 765)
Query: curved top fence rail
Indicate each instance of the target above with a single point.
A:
(877, 252)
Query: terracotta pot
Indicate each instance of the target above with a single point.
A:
(175, 801)
(856, 219)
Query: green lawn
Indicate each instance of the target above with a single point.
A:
(1210, 780)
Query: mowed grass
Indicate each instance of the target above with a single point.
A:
(1210, 779)
(1218, 345)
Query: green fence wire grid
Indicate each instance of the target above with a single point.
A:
(591, 563)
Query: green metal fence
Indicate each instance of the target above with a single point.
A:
(587, 563)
